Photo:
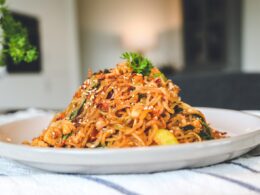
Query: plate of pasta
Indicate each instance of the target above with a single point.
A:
(129, 119)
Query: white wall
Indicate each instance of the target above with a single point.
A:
(55, 85)
(105, 23)
(251, 36)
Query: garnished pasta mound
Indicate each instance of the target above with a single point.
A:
(131, 105)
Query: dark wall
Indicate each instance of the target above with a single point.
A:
(230, 90)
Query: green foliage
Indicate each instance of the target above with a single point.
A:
(2, 2)
(15, 39)
(138, 63)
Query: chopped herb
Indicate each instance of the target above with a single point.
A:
(204, 135)
(188, 127)
(141, 95)
(66, 136)
(199, 117)
(100, 145)
(156, 75)
(73, 115)
(206, 131)
(138, 63)
(161, 75)
(106, 71)
(76, 112)
(177, 109)
(95, 83)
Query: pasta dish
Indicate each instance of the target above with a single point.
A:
(131, 105)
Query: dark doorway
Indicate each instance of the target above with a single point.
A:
(212, 35)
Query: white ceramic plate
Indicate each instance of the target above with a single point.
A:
(244, 131)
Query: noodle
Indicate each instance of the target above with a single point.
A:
(121, 108)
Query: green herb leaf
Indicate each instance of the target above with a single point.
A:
(206, 131)
(161, 75)
(66, 136)
(138, 63)
(75, 113)
(199, 117)
(141, 95)
(204, 135)
(177, 109)
(95, 83)
(188, 127)
(2, 2)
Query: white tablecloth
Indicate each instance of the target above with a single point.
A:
(239, 176)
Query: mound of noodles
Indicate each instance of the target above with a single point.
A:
(120, 108)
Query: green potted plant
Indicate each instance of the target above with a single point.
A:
(14, 40)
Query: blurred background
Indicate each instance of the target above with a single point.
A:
(210, 48)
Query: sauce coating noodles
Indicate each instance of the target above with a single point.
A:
(119, 108)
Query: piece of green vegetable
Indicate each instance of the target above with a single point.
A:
(204, 135)
(66, 136)
(177, 109)
(188, 127)
(206, 131)
(75, 113)
(141, 95)
(138, 63)
(199, 117)
(94, 83)
(15, 40)
(161, 75)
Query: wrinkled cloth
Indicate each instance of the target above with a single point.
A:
(239, 176)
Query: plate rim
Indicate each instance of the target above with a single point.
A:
(77, 152)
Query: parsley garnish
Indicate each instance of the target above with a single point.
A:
(138, 63)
